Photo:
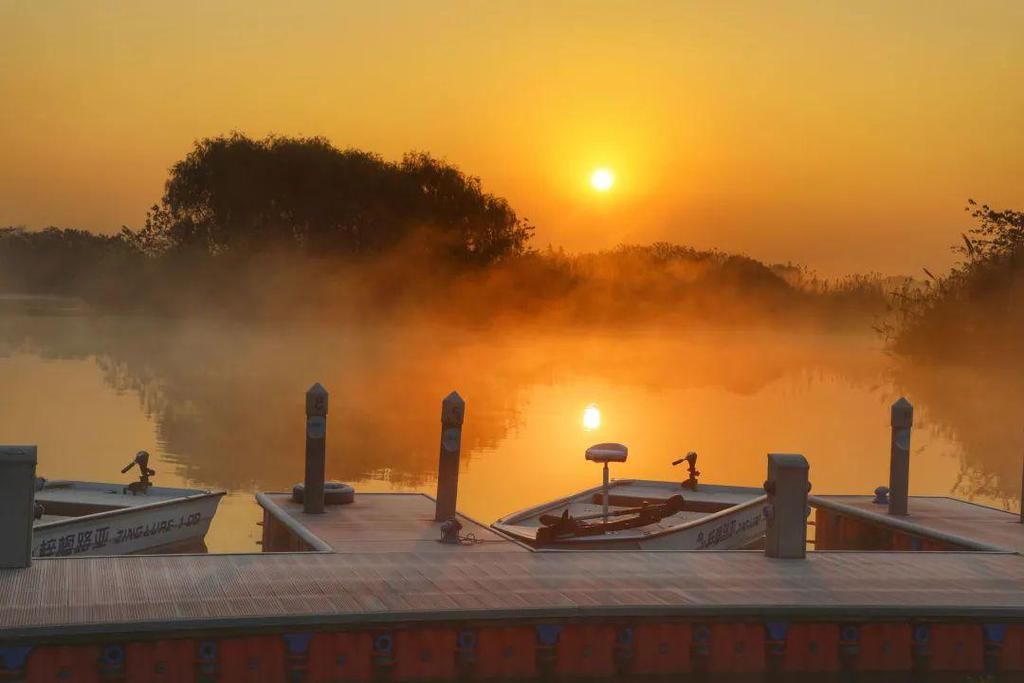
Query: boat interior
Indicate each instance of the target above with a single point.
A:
(63, 499)
(626, 495)
(629, 509)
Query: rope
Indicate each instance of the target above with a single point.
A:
(450, 534)
(471, 539)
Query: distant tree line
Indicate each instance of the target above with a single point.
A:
(66, 262)
(288, 226)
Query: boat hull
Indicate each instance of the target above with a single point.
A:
(728, 530)
(739, 522)
(145, 528)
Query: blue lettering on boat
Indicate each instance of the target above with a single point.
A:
(726, 530)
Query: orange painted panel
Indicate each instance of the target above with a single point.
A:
(63, 664)
(506, 652)
(736, 648)
(425, 654)
(811, 647)
(256, 659)
(902, 541)
(826, 526)
(586, 650)
(957, 647)
(1011, 654)
(886, 647)
(161, 661)
(342, 656)
(661, 648)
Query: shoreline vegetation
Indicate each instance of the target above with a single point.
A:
(294, 228)
(974, 314)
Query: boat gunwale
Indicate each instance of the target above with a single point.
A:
(73, 485)
(146, 507)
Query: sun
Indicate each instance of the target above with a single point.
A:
(602, 179)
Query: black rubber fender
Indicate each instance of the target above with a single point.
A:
(335, 493)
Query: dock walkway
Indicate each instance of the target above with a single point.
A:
(386, 570)
(381, 522)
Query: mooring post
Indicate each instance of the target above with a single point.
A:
(453, 411)
(316, 448)
(787, 487)
(899, 456)
(17, 505)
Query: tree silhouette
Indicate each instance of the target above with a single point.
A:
(233, 195)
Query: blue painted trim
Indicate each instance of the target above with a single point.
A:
(994, 633)
(113, 655)
(548, 634)
(383, 643)
(14, 658)
(298, 643)
(467, 640)
(207, 650)
(777, 630)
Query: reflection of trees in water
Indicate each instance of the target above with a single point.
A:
(227, 401)
(982, 412)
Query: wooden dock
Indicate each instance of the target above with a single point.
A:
(377, 577)
(938, 522)
(374, 523)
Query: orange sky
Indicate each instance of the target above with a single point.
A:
(842, 135)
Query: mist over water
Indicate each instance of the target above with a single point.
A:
(220, 405)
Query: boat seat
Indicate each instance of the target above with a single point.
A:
(607, 452)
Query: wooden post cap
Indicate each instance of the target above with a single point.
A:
(453, 410)
(316, 400)
(902, 413)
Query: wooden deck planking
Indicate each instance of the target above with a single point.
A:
(383, 522)
(299, 590)
(972, 524)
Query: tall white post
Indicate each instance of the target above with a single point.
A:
(17, 505)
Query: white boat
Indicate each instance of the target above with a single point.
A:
(640, 514)
(81, 518)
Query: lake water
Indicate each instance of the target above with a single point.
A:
(222, 406)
